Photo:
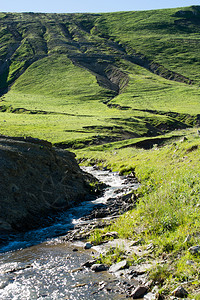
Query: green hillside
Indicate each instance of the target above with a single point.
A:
(124, 72)
(120, 90)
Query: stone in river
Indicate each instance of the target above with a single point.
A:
(89, 263)
(118, 266)
(75, 250)
(139, 292)
(88, 246)
(99, 267)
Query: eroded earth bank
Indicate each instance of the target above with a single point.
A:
(37, 180)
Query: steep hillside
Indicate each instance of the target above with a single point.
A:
(83, 79)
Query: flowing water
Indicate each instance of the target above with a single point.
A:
(39, 265)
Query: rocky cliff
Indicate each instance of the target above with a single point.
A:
(36, 180)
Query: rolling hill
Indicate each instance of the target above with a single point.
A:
(89, 79)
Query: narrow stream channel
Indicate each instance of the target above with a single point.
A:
(39, 265)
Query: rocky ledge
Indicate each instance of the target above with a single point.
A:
(36, 180)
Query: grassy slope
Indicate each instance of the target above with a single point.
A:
(167, 214)
(58, 101)
(69, 96)
(166, 36)
(147, 91)
(53, 84)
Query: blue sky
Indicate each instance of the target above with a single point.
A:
(70, 6)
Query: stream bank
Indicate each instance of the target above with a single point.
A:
(54, 269)
(37, 181)
(57, 262)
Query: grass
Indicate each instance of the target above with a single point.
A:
(76, 101)
(167, 212)
(67, 105)
(151, 32)
(148, 91)
(39, 51)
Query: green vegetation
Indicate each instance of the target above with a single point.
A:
(115, 94)
(167, 212)
(149, 92)
(120, 90)
(112, 256)
(169, 37)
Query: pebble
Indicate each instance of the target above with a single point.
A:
(150, 296)
(88, 246)
(189, 262)
(75, 250)
(113, 234)
(183, 139)
(76, 270)
(180, 292)
(79, 285)
(139, 292)
(136, 243)
(150, 246)
(118, 266)
(99, 268)
(89, 263)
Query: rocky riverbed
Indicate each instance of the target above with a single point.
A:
(128, 279)
(131, 280)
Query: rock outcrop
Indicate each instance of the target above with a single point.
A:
(36, 180)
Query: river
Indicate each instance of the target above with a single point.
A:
(39, 265)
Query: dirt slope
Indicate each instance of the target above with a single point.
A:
(36, 180)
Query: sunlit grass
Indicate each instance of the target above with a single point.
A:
(164, 36)
(168, 207)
